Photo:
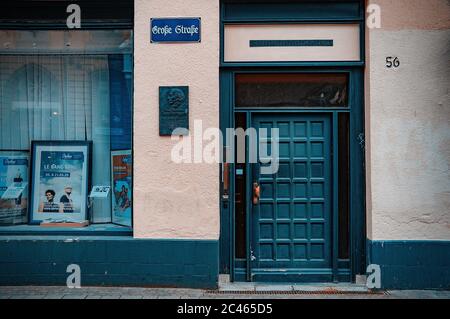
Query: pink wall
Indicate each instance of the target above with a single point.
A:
(414, 14)
(407, 122)
(174, 200)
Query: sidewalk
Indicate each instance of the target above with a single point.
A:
(233, 291)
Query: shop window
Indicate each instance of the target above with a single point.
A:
(291, 90)
(66, 86)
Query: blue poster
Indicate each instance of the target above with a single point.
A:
(13, 174)
(59, 184)
(61, 173)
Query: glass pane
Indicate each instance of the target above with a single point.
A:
(78, 92)
(291, 90)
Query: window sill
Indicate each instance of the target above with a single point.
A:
(91, 230)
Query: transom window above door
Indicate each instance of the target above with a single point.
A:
(291, 90)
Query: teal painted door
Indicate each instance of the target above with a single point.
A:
(290, 227)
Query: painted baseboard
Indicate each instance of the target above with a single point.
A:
(411, 264)
(109, 261)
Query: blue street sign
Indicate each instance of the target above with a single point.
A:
(175, 30)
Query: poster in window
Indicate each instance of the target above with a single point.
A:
(121, 170)
(13, 187)
(60, 181)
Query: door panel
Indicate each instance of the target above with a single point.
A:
(291, 224)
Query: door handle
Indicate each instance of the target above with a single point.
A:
(256, 193)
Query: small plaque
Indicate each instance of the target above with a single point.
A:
(173, 110)
(100, 191)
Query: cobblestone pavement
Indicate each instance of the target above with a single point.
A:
(261, 292)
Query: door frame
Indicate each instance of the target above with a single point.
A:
(357, 237)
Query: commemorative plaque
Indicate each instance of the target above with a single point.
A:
(173, 110)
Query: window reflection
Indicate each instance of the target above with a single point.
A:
(291, 90)
(71, 86)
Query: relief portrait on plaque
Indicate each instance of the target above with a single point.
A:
(173, 109)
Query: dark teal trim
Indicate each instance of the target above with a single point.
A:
(109, 261)
(293, 12)
(91, 230)
(328, 64)
(357, 262)
(297, 12)
(249, 181)
(226, 205)
(290, 43)
(335, 196)
(412, 264)
(357, 176)
(291, 109)
(288, 10)
(51, 15)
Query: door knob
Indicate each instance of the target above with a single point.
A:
(256, 193)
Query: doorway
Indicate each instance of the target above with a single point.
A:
(300, 227)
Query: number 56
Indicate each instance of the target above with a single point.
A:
(392, 62)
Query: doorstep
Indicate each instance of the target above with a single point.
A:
(319, 288)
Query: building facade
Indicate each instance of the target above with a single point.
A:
(355, 93)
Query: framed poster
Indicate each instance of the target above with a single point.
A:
(60, 174)
(14, 166)
(121, 170)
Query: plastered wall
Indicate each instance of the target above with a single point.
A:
(408, 122)
(174, 200)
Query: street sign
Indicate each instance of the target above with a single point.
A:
(174, 30)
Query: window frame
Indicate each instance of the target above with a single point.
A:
(26, 15)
